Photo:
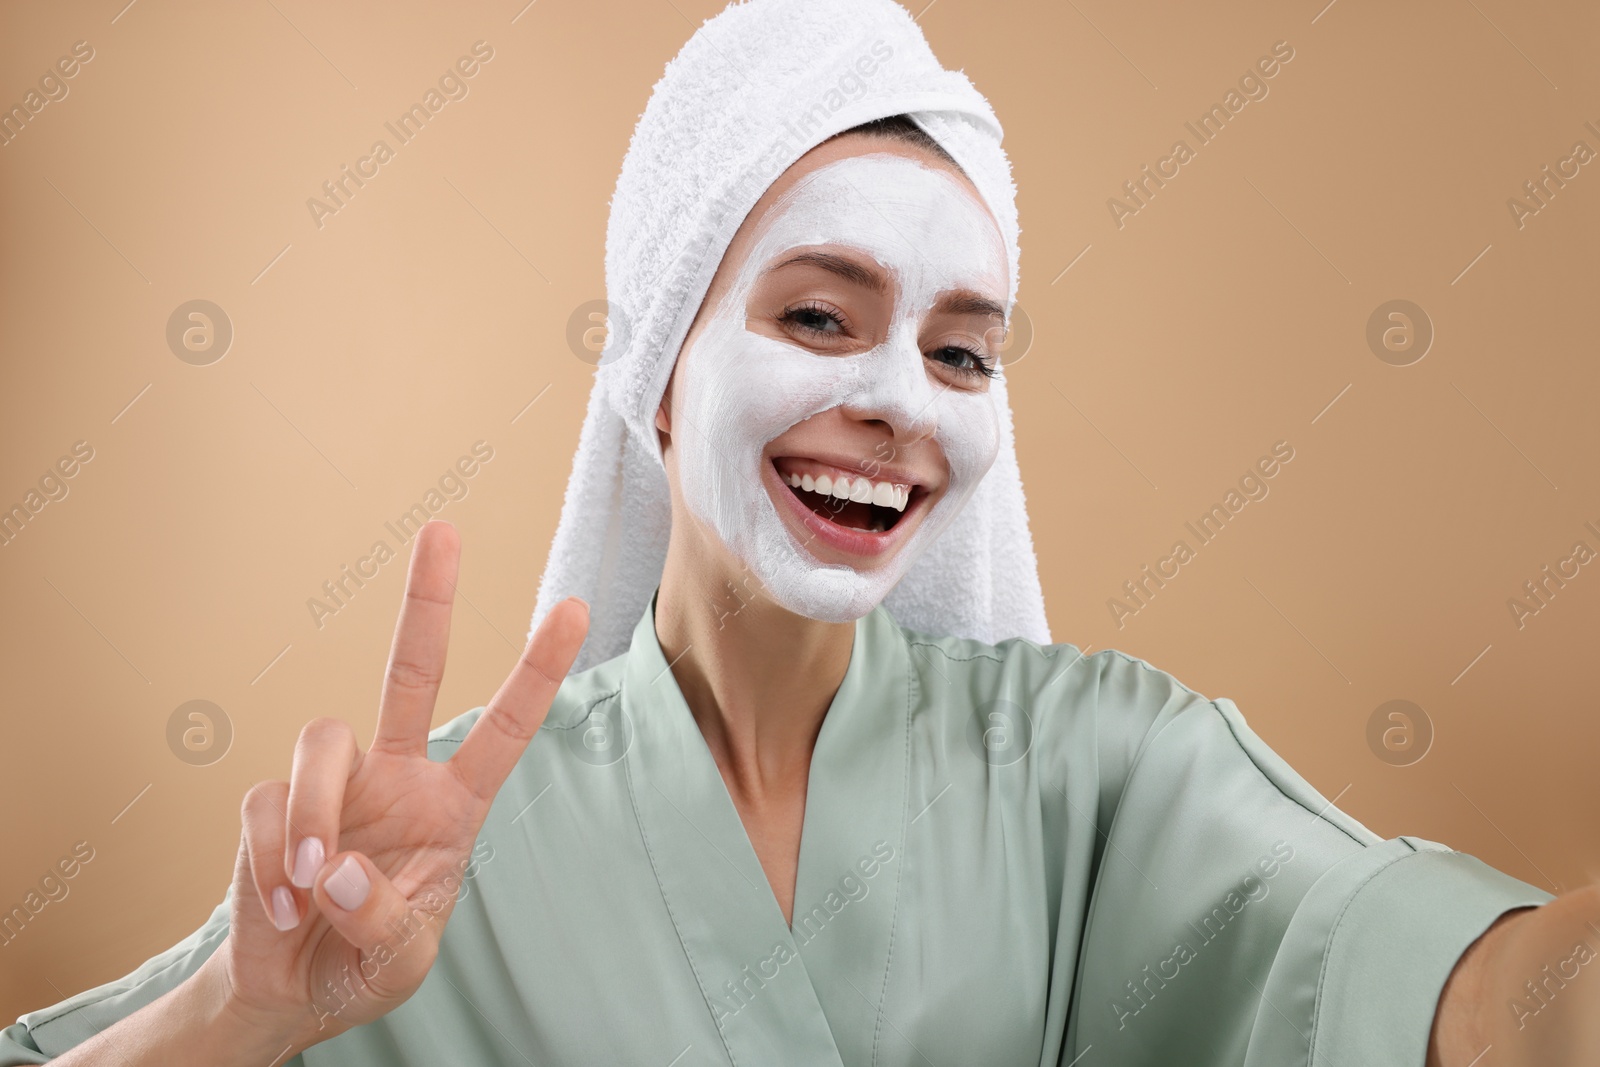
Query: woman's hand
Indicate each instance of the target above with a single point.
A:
(348, 872)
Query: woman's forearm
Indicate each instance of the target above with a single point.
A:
(197, 1022)
(1522, 990)
(1458, 1021)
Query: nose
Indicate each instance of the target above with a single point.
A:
(893, 388)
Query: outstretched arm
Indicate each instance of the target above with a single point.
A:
(1522, 990)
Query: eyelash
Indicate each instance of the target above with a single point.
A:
(980, 365)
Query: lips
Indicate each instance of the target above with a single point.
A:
(845, 523)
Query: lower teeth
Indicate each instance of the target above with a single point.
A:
(879, 523)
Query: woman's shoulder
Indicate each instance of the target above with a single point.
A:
(1051, 675)
(1069, 704)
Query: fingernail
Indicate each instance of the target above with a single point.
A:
(285, 916)
(348, 886)
(307, 862)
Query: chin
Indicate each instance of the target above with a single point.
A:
(799, 582)
(826, 601)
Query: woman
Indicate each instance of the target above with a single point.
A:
(765, 819)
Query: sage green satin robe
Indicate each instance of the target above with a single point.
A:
(1012, 854)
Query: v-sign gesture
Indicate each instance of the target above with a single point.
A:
(359, 845)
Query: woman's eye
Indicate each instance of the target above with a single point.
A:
(818, 319)
(963, 359)
(813, 319)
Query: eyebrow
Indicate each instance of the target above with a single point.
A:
(955, 302)
(967, 302)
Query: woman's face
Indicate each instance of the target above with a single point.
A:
(830, 411)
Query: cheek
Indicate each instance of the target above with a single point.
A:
(745, 389)
(969, 434)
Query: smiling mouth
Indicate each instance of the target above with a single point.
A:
(851, 500)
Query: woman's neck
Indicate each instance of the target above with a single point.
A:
(758, 678)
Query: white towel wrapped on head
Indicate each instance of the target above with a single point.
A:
(753, 90)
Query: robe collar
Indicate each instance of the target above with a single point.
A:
(779, 994)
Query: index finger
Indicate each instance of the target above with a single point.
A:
(421, 637)
(497, 740)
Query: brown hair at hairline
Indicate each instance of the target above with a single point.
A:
(901, 128)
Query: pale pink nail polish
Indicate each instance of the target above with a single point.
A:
(285, 916)
(307, 862)
(348, 885)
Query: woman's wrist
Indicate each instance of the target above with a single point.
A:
(239, 1032)
(198, 1021)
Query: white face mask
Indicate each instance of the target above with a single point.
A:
(741, 390)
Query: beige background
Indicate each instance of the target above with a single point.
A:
(1228, 314)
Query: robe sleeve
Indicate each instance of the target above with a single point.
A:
(1238, 917)
(42, 1035)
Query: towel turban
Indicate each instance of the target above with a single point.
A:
(754, 89)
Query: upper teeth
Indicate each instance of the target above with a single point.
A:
(884, 494)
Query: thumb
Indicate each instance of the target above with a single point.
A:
(397, 942)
